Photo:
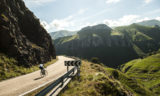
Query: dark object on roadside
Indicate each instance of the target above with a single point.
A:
(95, 60)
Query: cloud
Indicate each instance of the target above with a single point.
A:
(156, 11)
(82, 11)
(35, 3)
(94, 15)
(125, 20)
(58, 24)
(112, 1)
(158, 18)
(65, 23)
(147, 1)
(69, 23)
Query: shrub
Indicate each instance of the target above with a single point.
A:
(95, 60)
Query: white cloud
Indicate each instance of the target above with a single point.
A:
(69, 23)
(58, 24)
(112, 1)
(82, 11)
(65, 23)
(158, 18)
(35, 3)
(125, 20)
(45, 24)
(147, 1)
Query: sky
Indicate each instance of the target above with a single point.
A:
(73, 15)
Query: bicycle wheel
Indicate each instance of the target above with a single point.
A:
(45, 72)
(42, 73)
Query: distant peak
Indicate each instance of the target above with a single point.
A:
(99, 26)
(151, 22)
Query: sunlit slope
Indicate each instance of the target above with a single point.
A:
(152, 22)
(146, 70)
(121, 44)
(144, 37)
(9, 67)
(98, 80)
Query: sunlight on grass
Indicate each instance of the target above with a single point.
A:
(146, 71)
(98, 80)
(9, 67)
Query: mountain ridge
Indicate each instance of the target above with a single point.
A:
(152, 22)
(122, 43)
(61, 33)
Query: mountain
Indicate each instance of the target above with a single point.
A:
(149, 23)
(138, 77)
(112, 46)
(22, 37)
(145, 70)
(62, 33)
(144, 39)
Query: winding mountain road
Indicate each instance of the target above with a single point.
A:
(22, 84)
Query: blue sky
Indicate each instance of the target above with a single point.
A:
(75, 14)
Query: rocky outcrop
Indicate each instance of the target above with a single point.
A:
(22, 36)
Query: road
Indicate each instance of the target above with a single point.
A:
(22, 84)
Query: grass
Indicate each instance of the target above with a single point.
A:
(132, 84)
(116, 33)
(69, 39)
(36, 46)
(138, 50)
(146, 71)
(95, 35)
(5, 17)
(98, 80)
(10, 69)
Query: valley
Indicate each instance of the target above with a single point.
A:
(117, 54)
(121, 43)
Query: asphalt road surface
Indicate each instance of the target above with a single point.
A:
(22, 84)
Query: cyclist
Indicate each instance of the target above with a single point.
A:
(41, 66)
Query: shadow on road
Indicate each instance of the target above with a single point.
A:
(38, 78)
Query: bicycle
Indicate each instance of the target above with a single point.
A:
(43, 73)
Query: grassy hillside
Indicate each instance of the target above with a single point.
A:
(62, 33)
(146, 71)
(150, 22)
(144, 37)
(98, 80)
(9, 67)
(123, 43)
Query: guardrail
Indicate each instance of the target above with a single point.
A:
(55, 83)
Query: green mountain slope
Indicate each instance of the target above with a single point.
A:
(118, 45)
(62, 33)
(146, 71)
(97, 80)
(139, 77)
(149, 23)
(145, 38)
